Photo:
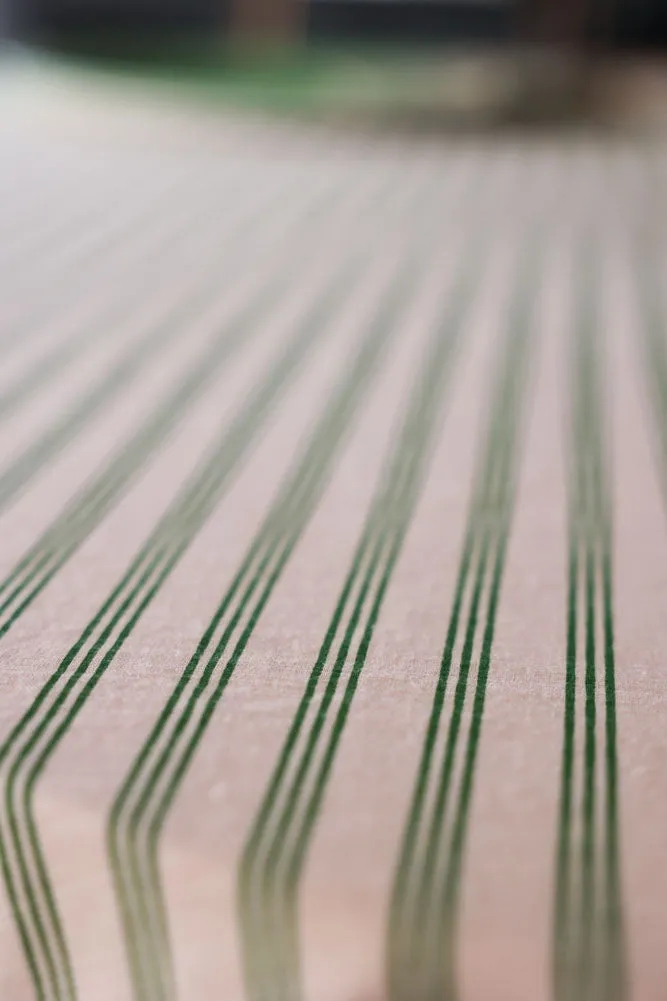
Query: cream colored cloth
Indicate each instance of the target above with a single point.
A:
(333, 564)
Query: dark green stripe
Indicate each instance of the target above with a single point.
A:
(276, 540)
(279, 838)
(421, 949)
(562, 928)
(615, 980)
(589, 947)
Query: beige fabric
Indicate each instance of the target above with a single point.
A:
(110, 245)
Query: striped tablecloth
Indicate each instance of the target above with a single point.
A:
(333, 566)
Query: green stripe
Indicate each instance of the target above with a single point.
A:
(421, 950)
(31, 743)
(562, 932)
(146, 579)
(273, 546)
(134, 852)
(615, 984)
(589, 953)
(276, 848)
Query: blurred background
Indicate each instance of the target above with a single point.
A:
(406, 53)
(617, 24)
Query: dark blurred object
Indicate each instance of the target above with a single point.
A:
(111, 20)
(273, 21)
(613, 23)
